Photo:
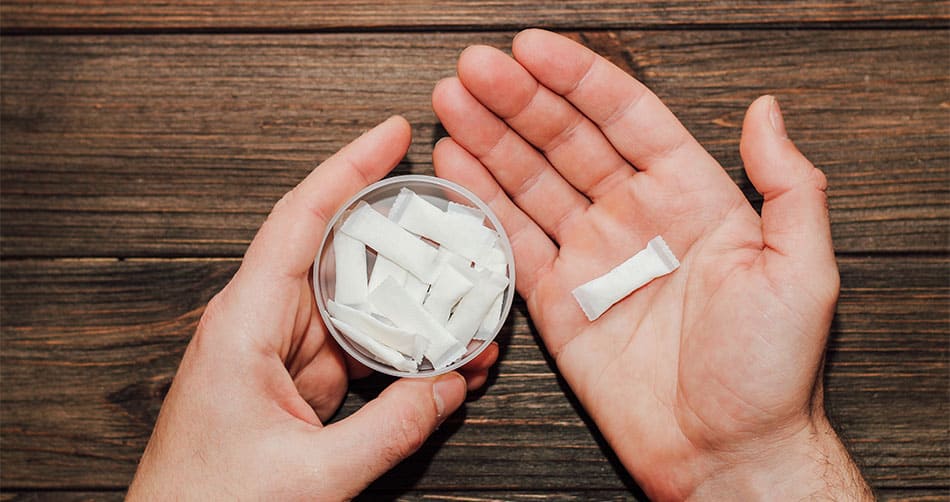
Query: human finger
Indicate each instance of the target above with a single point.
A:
(355, 369)
(570, 141)
(475, 380)
(391, 427)
(795, 223)
(322, 381)
(483, 361)
(476, 371)
(531, 182)
(631, 116)
(534, 252)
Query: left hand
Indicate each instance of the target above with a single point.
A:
(245, 414)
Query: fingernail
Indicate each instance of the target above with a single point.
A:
(448, 392)
(775, 116)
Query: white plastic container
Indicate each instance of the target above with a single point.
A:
(380, 196)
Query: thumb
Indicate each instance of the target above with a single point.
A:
(393, 426)
(795, 222)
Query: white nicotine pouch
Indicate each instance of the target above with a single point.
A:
(379, 351)
(476, 215)
(444, 256)
(470, 312)
(408, 343)
(390, 240)
(446, 291)
(395, 304)
(350, 257)
(456, 231)
(598, 295)
(384, 268)
(417, 289)
(495, 263)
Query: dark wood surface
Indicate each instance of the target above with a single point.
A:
(458, 14)
(142, 143)
(889, 495)
(178, 145)
(89, 347)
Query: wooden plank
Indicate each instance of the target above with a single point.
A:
(457, 496)
(926, 495)
(898, 495)
(179, 145)
(62, 496)
(24, 15)
(88, 348)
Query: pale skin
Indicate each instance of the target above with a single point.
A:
(245, 415)
(705, 382)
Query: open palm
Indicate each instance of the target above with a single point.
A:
(700, 369)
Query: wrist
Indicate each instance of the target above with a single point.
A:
(810, 464)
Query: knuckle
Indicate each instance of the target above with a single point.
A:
(825, 291)
(283, 201)
(217, 309)
(208, 324)
(819, 179)
(281, 205)
(412, 433)
(833, 289)
(212, 312)
(409, 431)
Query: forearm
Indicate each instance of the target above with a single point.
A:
(813, 465)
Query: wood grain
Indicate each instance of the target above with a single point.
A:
(88, 347)
(62, 496)
(179, 145)
(25, 15)
(889, 495)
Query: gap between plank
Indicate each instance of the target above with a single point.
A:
(893, 25)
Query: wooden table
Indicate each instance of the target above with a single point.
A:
(143, 142)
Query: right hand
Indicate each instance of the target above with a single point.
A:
(705, 381)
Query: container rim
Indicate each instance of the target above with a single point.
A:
(342, 341)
